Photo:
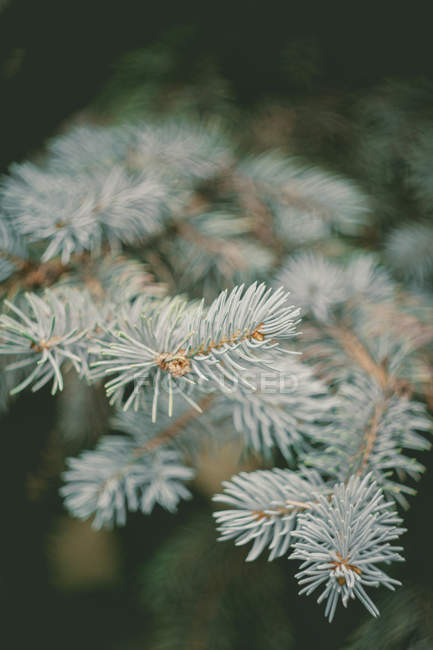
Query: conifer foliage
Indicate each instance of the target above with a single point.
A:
(214, 293)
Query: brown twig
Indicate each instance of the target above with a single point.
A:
(280, 511)
(175, 428)
(253, 204)
(346, 563)
(370, 436)
(237, 337)
(358, 352)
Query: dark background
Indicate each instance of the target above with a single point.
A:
(55, 56)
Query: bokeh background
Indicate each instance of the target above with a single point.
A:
(346, 86)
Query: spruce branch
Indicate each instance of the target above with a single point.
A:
(45, 334)
(285, 411)
(190, 344)
(107, 201)
(342, 539)
(112, 479)
(371, 431)
(264, 508)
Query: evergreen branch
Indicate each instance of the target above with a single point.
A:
(110, 480)
(213, 248)
(286, 409)
(175, 192)
(188, 343)
(369, 432)
(50, 335)
(341, 540)
(265, 505)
